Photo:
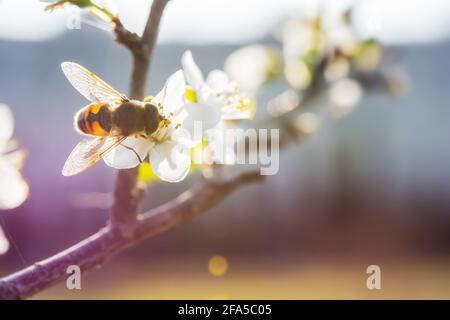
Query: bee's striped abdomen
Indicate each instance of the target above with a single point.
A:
(95, 119)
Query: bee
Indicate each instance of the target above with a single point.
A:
(107, 121)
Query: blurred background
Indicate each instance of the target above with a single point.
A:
(369, 188)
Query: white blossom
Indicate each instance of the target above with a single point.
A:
(221, 100)
(220, 96)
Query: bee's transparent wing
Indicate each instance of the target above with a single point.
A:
(88, 152)
(91, 86)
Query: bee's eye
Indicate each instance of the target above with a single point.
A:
(150, 105)
(152, 108)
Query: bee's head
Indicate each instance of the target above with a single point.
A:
(153, 117)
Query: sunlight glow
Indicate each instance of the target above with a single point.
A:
(24, 20)
(400, 21)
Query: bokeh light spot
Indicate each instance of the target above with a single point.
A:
(307, 123)
(218, 265)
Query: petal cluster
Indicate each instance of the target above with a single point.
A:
(218, 91)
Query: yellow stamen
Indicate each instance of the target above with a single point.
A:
(164, 123)
(246, 104)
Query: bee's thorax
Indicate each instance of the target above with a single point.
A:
(135, 117)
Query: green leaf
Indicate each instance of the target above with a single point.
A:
(100, 11)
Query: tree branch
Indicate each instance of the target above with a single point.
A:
(127, 194)
(95, 250)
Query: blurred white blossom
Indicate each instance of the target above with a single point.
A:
(253, 65)
(13, 188)
(337, 68)
(309, 39)
(286, 101)
(307, 123)
(344, 95)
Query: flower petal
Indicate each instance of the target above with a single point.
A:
(13, 188)
(129, 153)
(200, 117)
(171, 161)
(186, 138)
(6, 125)
(221, 142)
(194, 76)
(222, 151)
(218, 80)
(172, 95)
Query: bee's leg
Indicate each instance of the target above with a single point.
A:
(134, 151)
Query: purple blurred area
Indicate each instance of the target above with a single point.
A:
(372, 185)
